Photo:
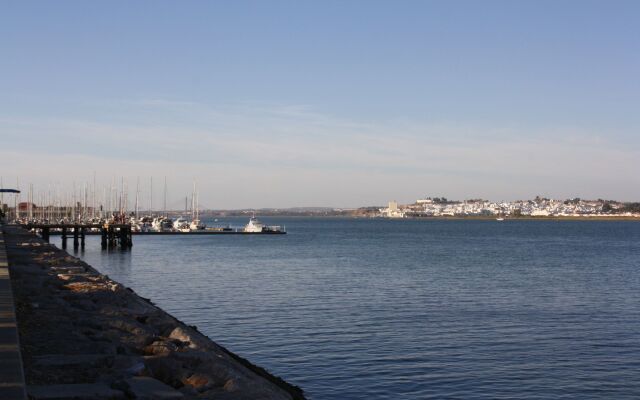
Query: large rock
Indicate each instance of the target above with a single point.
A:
(193, 339)
(167, 370)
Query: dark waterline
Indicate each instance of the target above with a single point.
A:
(364, 309)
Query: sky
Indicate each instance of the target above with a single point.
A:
(325, 103)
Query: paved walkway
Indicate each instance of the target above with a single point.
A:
(11, 374)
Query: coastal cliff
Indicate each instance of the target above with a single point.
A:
(84, 335)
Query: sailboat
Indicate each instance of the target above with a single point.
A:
(196, 224)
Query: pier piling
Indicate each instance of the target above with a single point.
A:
(64, 237)
(112, 235)
(76, 231)
(45, 233)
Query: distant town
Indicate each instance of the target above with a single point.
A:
(442, 207)
(538, 207)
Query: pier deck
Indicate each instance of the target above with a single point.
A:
(97, 229)
(202, 233)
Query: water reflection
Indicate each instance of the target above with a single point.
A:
(361, 309)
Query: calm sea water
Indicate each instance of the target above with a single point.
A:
(384, 309)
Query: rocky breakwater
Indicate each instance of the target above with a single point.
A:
(85, 336)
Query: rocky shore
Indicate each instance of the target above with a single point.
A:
(83, 335)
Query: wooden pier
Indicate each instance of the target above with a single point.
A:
(120, 235)
(210, 232)
(113, 235)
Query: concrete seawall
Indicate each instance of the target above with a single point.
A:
(83, 335)
(12, 386)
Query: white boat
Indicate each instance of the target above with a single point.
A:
(136, 225)
(156, 224)
(254, 225)
(181, 224)
(162, 224)
(499, 219)
(197, 225)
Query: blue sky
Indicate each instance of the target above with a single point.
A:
(275, 104)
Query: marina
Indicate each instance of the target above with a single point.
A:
(120, 235)
(82, 213)
(115, 224)
(57, 230)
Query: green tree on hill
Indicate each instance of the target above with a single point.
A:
(632, 207)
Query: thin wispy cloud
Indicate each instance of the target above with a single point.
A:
(292, 148)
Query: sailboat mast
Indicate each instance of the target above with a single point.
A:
(121, 197)
(30, 202)
(151, 197)
(193, 202)
(15, 200)
(93, 200)
(85, 209)
(137, 195)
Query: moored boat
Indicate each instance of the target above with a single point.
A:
(197, 225)
(255, 226)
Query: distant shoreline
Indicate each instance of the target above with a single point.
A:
(529, 218)
(439, 217)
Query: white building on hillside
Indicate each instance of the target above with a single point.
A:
(392, 211)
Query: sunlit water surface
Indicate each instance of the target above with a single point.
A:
(409, 309)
